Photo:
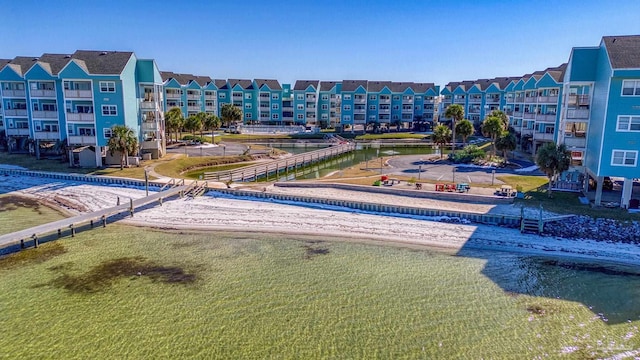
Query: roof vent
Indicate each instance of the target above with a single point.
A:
(614, 40)
(67, 56)
(34, 59)
(103, 53)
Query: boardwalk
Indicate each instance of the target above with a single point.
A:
(281, 166)
(100, 216)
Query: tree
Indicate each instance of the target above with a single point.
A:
(506, 142)
(456, 113)
(211, 122)
(503, 117)
(553, 159)
(124, 141)
(464, 128)
(441, 136)
(193, 124)
(492, 127)
(174, 121)
(230, 114)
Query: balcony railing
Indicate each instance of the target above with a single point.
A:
(543, 136)
(17, 132)
(83, 117)
(577, 113)
(193, 96)
(493, 100)
(173, 95)
(530, 99)
(359, 100)
(546, 117)
(384, 101)
(81, 140)
(475, 100)
(529, 115)
(526, 131)
(474, 110)
(148, 105)
(408, 110)
(210, 108)
(46, 135)
(44, 114)
(579, 142)
(193, 107)
(151, 144)
(518, 99)
(548, 99)
(78, 94)
(149, 126)
(43, 93)
(15, 112)
(210, 97)
(384, 111)
(579, 99)
(13, 93)
(518, 113)
(359, 111)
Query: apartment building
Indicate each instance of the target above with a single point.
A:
(600, 116)
(53, 99)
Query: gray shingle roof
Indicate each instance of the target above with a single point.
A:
(377, 86)
(104, 62)
(624, 51)
(328, 85)
(352, 85)
(55, 62)
(304, 84)
(272, 84)
(21, 64)
(245, 84)
(220, 83)
(423, 87)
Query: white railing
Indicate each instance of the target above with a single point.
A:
(526, 131)
(210, 107)
(84, 117)
(81, 140)
(210, 97)
(359, 111)
(43, 93)
(543, 136)
(384, 101)
(578, 114)
(13, 93)
(193, 96)
(173, 95)
(546, 117)
(193, 107)
(149, 126)
(359, 101)
(151, 144)
(572, 141)
(548, 99)
(529, 115)
(44, 114)
(149, 105)
(15, 112)
(78, 94)
(474, 100)
(46, 135)
(18, 132)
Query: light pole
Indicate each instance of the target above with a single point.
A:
(493, 175)
(146, 181)
(224, 150)
(419, 171)
(453, 172)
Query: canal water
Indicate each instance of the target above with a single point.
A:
(139, 293)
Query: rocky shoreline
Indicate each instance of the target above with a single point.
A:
(584, 227)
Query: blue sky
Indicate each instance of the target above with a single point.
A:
(422, 41)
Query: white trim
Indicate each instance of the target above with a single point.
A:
(636, 88)
(631, 118)
(109, 109)
(107, 83)
(624, 157)
(606, 110)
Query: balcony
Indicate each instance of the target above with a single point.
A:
(359, 111)
(575, 142)
(548, 99)
(81, 140)
(543, 136)
(13, 93)
(518, 99)
(529, 115)
(15, 112)
(359, 100)
(531, 99)
(46, 135)
(78, 94)
(546, 117)
(151, 144)
(44, 114)
(148, 105)
(474, 111)
(209, 97)
(17, 132)
(384, 111)
(493, 100)
(475, 100)
(577, 113)
(264, 117)
(43, 93)
(81, 117)
(580, 100)
(173, 95)
(407, 110)
(384, 101)
(407, 101)
(518, 113)
(287, 108)
(150, 126)
(193, 108)
(210, 108)
(193, 96)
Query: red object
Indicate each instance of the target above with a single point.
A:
(450, 187)
(439, 187)
(384, 178)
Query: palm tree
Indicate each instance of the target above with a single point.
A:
(211, 122)
(465, 129)
(492, 127)
(174, 121)
(506, 142)
(441, 136)
(503, 117)
(124, 141)
(230, 114)
(456, 113)
(202, 116)
(193, 124)
(553, 160)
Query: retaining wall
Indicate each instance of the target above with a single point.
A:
(493, 219)
(79, 177)
(437, 195)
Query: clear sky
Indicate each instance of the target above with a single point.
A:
(398, 40)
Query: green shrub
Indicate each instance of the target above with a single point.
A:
(190, 137)
(468, 154)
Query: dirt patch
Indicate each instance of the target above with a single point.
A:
(11, 202)
(33, 255)
(105, 274)
(314, 248)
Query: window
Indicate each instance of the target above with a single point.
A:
(346, 107)
(300, 107)
(630, 88)
(247, 115)
(275, 116)
(628, 123)
(324, 116)
(107, 86)
(109, 110)
(396, 97)
(346, 118)
(624, 158)
(300, 117)
(106, 132)
(275, 106)
(300, 96)
(324, 97)
(372, 97)
(222, 95)
(325, 107)
(247, 96)
(275, 96)
(372, 107)
(347, 96)
(247, 106)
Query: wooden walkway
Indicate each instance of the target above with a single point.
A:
(95, 218)
(279, 167)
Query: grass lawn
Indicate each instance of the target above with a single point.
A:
(31, 163)
(195, 174)
(175, 168)
(391, 136)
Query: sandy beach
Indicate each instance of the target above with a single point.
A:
(211, 212)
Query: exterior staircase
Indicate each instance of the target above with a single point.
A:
(530, 226)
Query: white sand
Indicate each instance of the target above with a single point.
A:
(218, 213)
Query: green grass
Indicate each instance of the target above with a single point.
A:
(137, 293)
(527, 183)
(176, 168)
(18, 213)
(195, 174)
(31, 163)
(399, 136)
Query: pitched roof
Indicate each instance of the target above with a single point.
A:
(377, 86)
(220, 83)
(557, 73)
(53, 63)
(328, 85)
(20, 64)
(202, 80)
(352, 85)
(304, 84)
(272, 84)
(103, 62)
(245, 84)
(423, 87)
(624, 51)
